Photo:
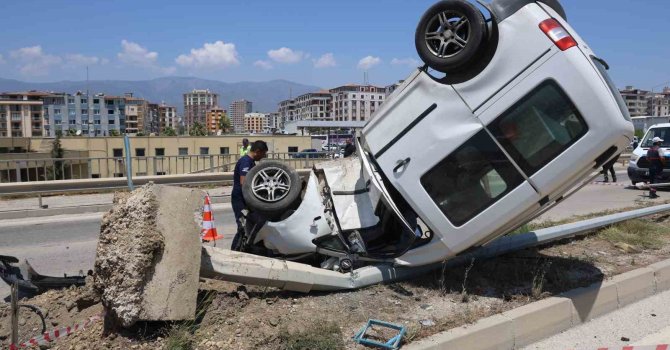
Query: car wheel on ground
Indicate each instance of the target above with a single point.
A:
(449, 35)
(271, 188)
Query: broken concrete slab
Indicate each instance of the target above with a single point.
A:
(148, 255)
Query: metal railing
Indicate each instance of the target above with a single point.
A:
(47, 169)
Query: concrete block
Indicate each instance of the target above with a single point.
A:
(634, 285)
(592, 301)
(540, 320)
(492, 333)
(661, 275)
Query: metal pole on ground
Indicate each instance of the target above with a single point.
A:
(15, 313)
(129, 166)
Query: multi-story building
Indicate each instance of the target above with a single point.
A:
(87, 115)
(659, 103)
(313, 106)
(196, 105)
(152, 119)
(236, 114)
(256, 123)
(356, 102)
(274, 122)
(167, 117)
(137, 113)
(214, 117)
(636, 100)
(286, 112)
(21, 115)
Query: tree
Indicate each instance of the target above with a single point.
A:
(57, 152)
(139, 133)
(169, 131)
(72, 132)
(114, 133)
(224, 124)
(198, 130)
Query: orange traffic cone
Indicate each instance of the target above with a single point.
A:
(208, 230)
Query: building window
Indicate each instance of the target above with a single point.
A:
(139, 152)
(160, 152)
(96, 100)
(292, 149)
(110, 111)
(56, 111)
(224, 150)
(118, 152)
(70, 100)
(204, 151)
(183, 151)
(83, 100)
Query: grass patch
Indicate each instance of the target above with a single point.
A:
(639, 233)
(179, 337)
(320, 336)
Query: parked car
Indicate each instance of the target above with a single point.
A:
(638, 165)
(515, 112)
(309, 153)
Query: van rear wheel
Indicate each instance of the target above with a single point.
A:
(449, 35)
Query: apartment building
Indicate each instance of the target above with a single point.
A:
(313, 106)
(88, 115)
(356, 102)
(137, 114)
(256, 123)
(659, 103)
(213, 122)
(237, 111)
(286, 112)
(196, 105)
(21, 118)
(167, 117)
(274, 122)
(636, 100)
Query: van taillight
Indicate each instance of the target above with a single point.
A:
(558, 34)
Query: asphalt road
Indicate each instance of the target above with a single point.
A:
(66, 244)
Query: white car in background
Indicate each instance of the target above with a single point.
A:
(508, 114)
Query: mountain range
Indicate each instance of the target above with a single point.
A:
(264, 95)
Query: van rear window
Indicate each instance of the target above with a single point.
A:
(539, 127)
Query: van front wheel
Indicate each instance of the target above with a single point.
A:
(449, 35)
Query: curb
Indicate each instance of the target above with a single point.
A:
(84, 209)
(536, 321)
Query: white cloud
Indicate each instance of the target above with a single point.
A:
(33, 61)
(133, 53)
(286, 55)
(325, 61)
(81, 60)
(263, 64)
(368, 62)
(215, 55)
(410, 62)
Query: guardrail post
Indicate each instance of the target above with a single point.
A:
(211, 164)
(18, 172)
(129, 166)
(90, 168)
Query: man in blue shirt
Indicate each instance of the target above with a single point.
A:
(257, 152)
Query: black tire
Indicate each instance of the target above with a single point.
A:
(271, 188)
(451, 47)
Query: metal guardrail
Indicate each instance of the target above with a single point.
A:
(88, 185)
(48, 169)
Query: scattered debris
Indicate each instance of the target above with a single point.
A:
(391, 343)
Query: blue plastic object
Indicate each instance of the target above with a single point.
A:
(393, 343)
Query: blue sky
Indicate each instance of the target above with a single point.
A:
(324, 43)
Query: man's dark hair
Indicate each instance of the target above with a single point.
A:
(245, 141)
(259, 146)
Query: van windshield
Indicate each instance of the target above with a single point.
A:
(663, 133)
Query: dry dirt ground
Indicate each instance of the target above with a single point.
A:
(232, 316)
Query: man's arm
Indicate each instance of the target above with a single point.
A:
(242, 179)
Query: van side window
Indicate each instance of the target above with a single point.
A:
(539, 127)
(471, 179)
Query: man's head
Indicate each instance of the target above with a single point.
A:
(259, 150)
(245, 142)
(657, 141)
